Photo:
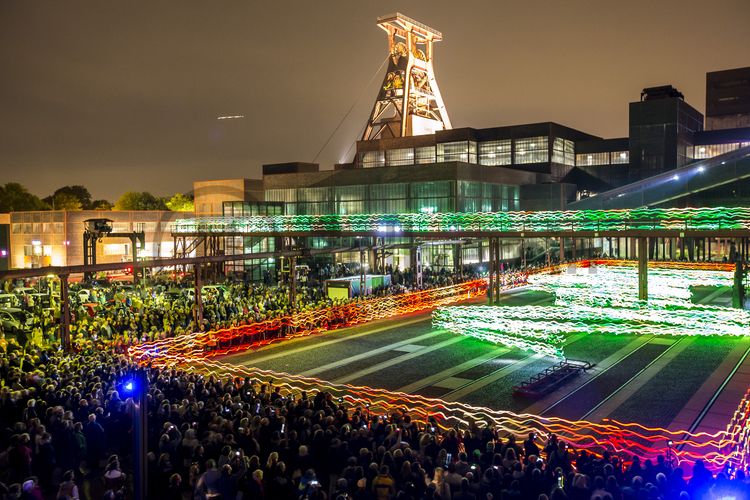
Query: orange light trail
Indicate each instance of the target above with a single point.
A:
(195, 352)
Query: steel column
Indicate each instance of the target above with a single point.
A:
(198, 298)
(64, 313)
(642, 268)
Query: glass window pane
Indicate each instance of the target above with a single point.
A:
(388, 191)
(711, 150)
(425, 189)
(531, 150)
(349, 193)
(588, 159)
(425, 155)
(620, 157)
(453, 151)
(372, 159)
(495, 152)
(399, 157)
(563, 151)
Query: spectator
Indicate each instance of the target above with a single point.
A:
(383, 485)
(68, 489)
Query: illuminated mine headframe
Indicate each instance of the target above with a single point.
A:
(409, 101)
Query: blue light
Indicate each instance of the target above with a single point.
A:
(129, 386)
(675, 177)
(701, 169)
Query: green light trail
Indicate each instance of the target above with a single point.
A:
(542, 221)
(600, 301)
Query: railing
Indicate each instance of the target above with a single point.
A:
(694, 177)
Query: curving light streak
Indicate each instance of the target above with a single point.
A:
(602, 300)
(625, 439)
(254, 335)
(629, 439)
(488, 323)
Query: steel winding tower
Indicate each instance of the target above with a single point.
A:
(409, 101)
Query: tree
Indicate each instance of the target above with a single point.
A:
(101, 205)
(65, 201)
(134, 200)
(180, 203)
(64, 198)
(16, 198)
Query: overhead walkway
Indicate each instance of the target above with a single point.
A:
(698, 176)
(648, 222)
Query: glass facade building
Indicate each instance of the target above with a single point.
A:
(398, 197)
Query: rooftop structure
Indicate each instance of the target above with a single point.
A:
(728, 99)
(409, 101)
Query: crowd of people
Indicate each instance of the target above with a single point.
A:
(67, 432)
(128, 314)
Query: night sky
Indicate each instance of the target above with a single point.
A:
(124, 95)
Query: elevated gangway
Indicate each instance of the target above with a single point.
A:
(698, 176)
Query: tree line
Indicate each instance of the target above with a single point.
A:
(15, 197)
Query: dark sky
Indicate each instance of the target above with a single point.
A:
(125, 95)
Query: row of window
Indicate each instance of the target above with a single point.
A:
(518, 152)
(491, 153)
(606, 158)
(239, 208)
(711, 150)
(438, 196)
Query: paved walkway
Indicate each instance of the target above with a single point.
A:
(725, 399)
(547, 402)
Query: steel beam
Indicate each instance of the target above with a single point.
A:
(120, 266)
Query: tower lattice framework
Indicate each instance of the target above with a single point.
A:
(409, 101)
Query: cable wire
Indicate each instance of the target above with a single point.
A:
(341, 122)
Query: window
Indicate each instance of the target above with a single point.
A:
(425, 155)
(495, 152)
(620, 157)
(370, 159)
(531, 150)
(349, 193)
(453, 151)
(563, 151)
(282, 195)
(399, 157)
(388, 191)
(314, 194)
(388, 206)
(351, 207)
(589, 159)
(711, 150)
(437, 188)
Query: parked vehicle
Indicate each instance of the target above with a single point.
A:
(41, 299)
(8, 300)
(20, 291)
(215, 290)
(15, 320)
